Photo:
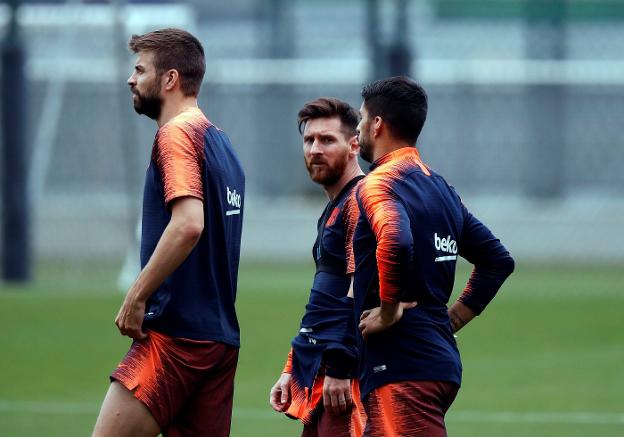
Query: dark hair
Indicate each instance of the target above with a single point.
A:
(329, 107)
(174, 49)
(400, 102)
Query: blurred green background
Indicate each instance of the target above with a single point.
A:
(545, 359)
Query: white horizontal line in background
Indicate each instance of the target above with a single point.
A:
(354, 71)
(138, 18)
(579, 417)
(90, 16)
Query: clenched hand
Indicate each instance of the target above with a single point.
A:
(130, 318)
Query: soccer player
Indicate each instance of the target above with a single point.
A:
(178, 376)
(317, 385)
(409, 227)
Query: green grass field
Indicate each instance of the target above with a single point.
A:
(545, 359)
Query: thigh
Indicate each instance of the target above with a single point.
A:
(410, 408)
(326, 424)
(124, 415)
(310, 430)
(331, 425)
(208, 412)
(165, 372)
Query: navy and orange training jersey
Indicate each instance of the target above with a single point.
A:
(408, 227)
(327, 332)
(192, 157)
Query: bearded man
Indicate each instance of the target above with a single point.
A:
(178, 376)
(318, 385)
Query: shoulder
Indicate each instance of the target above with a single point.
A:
(172, 131)
(185, 131)
(186, 124)
(381, 180)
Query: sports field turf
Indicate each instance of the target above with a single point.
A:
(545, 359)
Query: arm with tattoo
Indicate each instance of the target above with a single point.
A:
(460, 315)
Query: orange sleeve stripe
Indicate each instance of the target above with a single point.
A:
(351, 215)
(381, 211)
(179, 155)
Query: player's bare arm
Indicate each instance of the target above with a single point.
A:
(350, 292)
(460, 315)
(280, 393)
(178, 240)
(380, 318)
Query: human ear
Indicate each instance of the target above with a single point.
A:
(171, 77)
(377, 126)
(354, 145)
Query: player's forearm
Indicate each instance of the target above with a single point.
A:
(460, 315)
(492, 264)
(174, 246)
(339, 362)
(389, 311)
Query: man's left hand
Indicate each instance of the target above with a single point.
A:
(336, 395)
(383, 317)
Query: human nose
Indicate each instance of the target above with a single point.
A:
(315, 148)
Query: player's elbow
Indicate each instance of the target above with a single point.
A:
(507, 265)
(191, 230)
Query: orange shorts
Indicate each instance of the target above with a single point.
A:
(308, 407)
(409, 408)
(187, 385)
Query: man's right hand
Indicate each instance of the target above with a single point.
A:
(280, 393)
(130, 317)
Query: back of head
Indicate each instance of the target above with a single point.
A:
(174, 49)
(400, 102)
(329, 107)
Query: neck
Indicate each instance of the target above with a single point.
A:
(175, 105)
(387, 145)
(352, 170)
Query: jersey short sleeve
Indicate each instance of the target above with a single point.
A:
(179, 157)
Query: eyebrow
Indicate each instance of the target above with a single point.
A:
(319, 134)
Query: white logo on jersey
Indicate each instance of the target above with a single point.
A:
(233, 198)
(447, 245)
(380, 368)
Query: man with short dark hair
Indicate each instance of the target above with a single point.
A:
(318, 384)
(178, 376)
(407, 226)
